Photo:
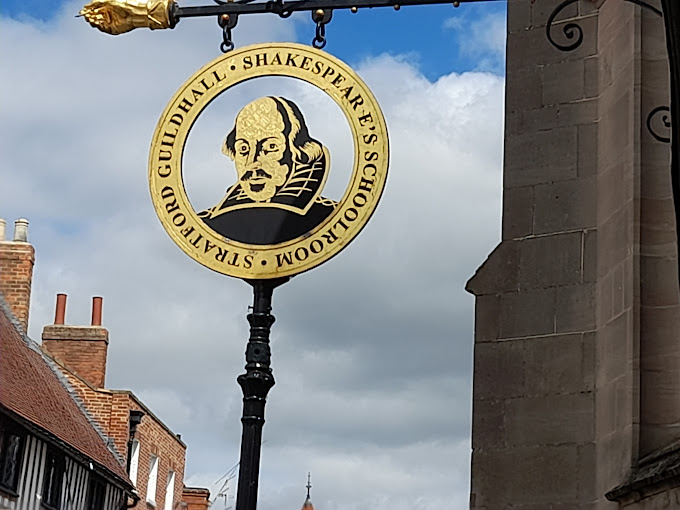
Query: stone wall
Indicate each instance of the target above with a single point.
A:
(577, 321)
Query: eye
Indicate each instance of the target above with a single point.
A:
(272, 146)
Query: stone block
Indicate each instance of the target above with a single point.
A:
(525, 476)
(542, 9)
(519, 17)
(589, 256)
(631, 276)
(518, 212)
(615, 238)
(578, 112)
(659, 384)
(604, 299)
(587, 150)
(614, 458)
(540, 157)
(653, 32)
(553, 365)
(551, 260)
(658, 241)
(487, 424)
(658, 281)
(498, 370)
(588, 363)
(616, 133)
(530, 313)
(551, 420)
(522, 88)
(617, 35)
(614, 350)
(659, 331)
(613, 192)
(543, 118)
(655, 82)
(575, 308)
(588, 7)
(565, 205)
(618, 286)
(655, 437)
(498, 273)
(528, 47)
(591, 77)
(563, 82)
(587, 474)
(656, 179)
(657, 229)
(487, 318)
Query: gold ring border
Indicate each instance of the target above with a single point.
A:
(234, 76)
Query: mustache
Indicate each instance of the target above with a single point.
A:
(257, 172)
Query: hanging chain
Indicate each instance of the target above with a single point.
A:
(227, 22)
(227, 44)
(321, 17)
(319, 40)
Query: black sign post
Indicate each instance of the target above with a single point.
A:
(256, 383)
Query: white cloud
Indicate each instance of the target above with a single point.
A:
(482, 38)
(371, 352)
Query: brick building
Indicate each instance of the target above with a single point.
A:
(52, 455)
(154, 453)
(151, 454)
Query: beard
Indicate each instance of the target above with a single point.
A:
(260, 192)
(261, 182)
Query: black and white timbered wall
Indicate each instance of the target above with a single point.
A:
(38, 475)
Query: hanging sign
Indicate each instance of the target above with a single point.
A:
(274, 220)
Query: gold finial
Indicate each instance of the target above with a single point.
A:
(397, 7)
(354, 10)
(119, 16)
(319, 13)
(456, 4)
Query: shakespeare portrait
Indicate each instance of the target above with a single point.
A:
(280, 173)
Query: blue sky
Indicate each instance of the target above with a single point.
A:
(436, 38)
(384, 330)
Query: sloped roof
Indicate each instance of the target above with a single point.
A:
(31, 388)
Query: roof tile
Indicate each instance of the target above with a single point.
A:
(31, 388)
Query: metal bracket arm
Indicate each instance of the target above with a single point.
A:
(119, 16)
(286, 8)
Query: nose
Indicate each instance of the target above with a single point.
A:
(257, 153)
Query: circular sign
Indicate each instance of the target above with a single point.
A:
(273, 220)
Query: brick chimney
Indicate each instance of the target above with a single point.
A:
(82, 349)
(16, 270)
(195, 498)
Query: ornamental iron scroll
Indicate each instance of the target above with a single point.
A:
(663, 113)
(572, 30)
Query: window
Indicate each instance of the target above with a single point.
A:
(153, 477)
(170, 490)
(11, 448)
(96, 493)
(53, 479)
(134, 462)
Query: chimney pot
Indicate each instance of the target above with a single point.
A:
(3, 225)
(97, 311)
(21, 230)
(60, 311)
